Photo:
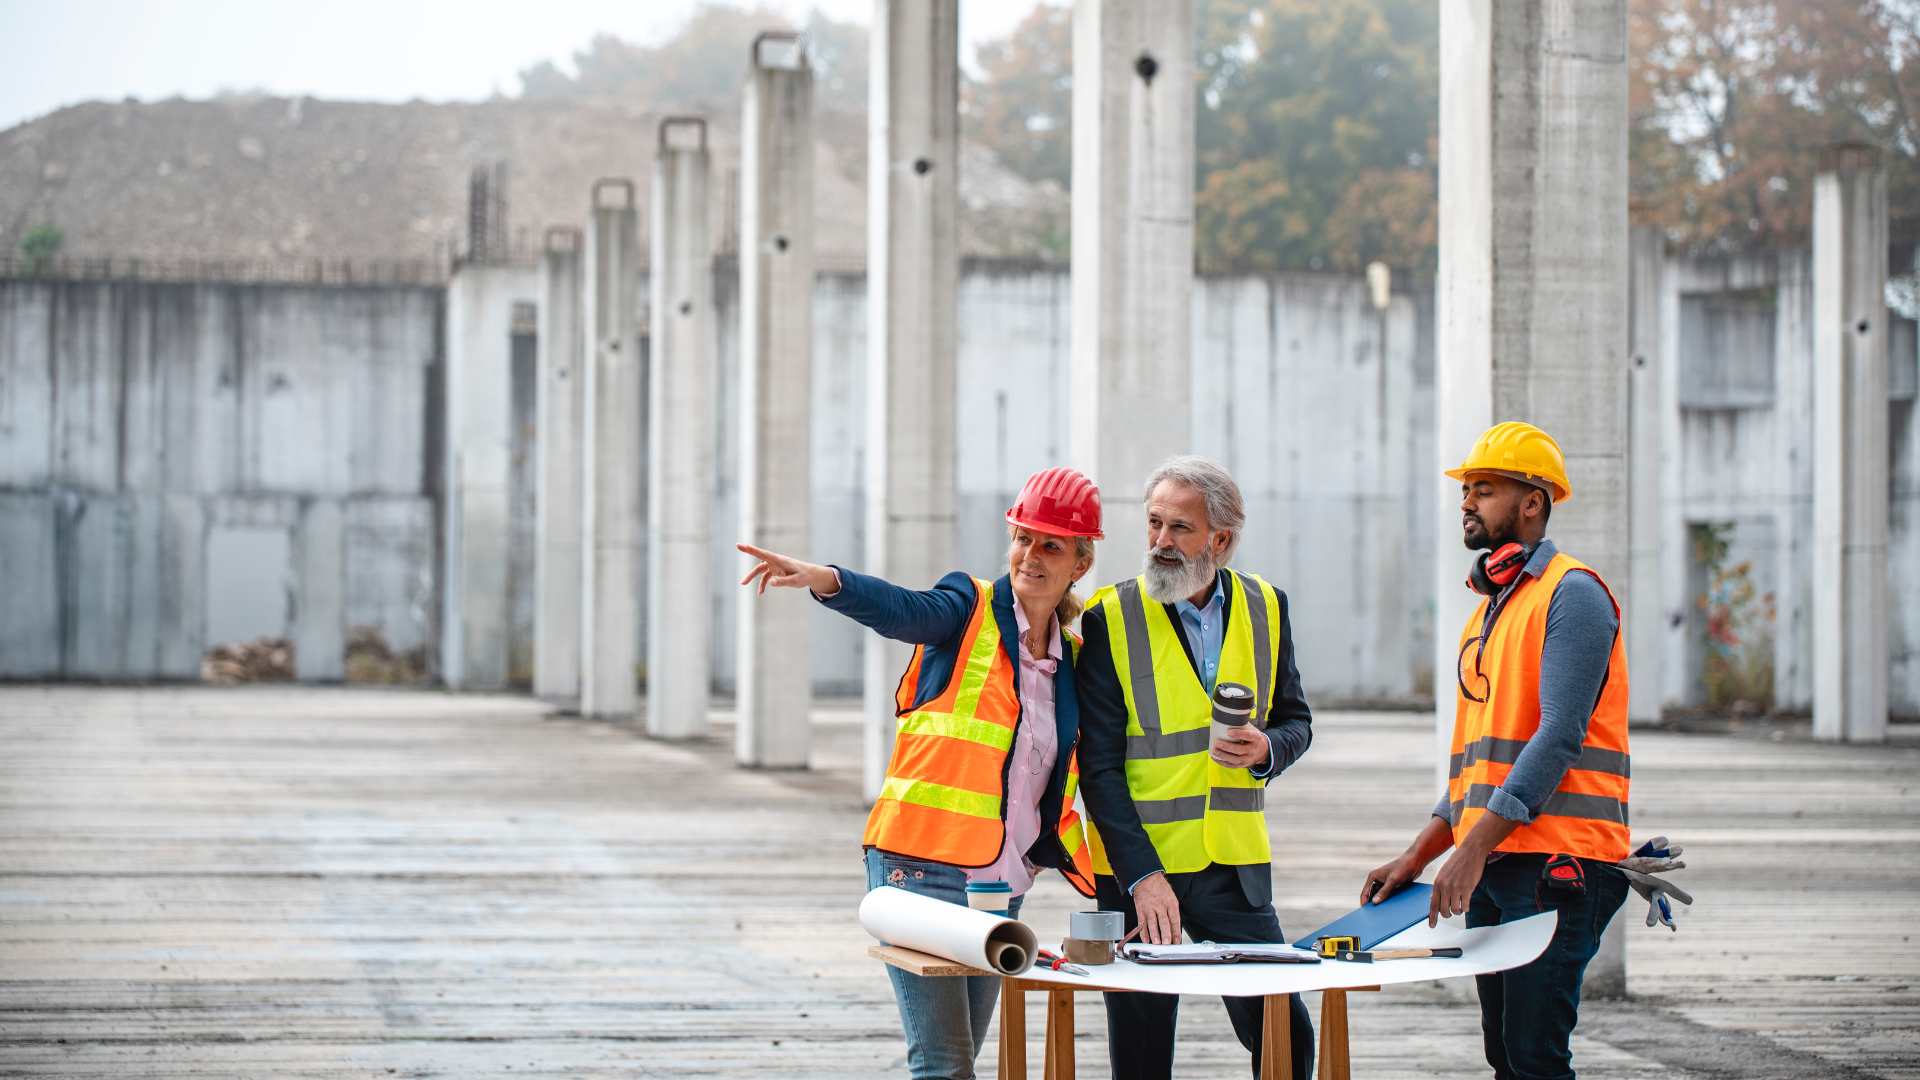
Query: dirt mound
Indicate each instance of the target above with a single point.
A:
(268, 177)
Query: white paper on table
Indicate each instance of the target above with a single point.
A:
(965, 936)
(1484, 950)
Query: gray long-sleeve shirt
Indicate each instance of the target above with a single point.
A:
(1581, 624)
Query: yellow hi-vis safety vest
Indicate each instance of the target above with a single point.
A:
(1195, 810)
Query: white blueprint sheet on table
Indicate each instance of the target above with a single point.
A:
(1483, 950)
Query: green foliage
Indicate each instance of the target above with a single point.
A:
(39, 246)
(1739, 620)
(1315, 133)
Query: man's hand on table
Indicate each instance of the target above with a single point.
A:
(1158, 910)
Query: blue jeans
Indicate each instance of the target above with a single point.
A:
(1527, 1013)
(945, 1017)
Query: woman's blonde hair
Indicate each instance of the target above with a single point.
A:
(1070, 605)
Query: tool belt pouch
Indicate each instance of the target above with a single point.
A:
(1562, 877)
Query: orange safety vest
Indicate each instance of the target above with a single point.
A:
(1587, 814)
(944, 798)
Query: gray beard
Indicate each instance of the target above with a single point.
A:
(1168, 584)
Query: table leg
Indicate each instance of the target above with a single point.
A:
(1276, 1039)
(1059, 1035)
(1334, 1061)
(1013, 1031)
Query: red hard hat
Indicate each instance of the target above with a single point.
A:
(1059, 501)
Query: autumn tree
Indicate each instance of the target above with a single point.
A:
(1315, 129)
(1022, 102)
(1731, 102)
(1313, 133)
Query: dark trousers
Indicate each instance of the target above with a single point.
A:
(1527, 1014)
(1213, 907)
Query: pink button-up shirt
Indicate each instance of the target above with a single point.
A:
(1036, 746)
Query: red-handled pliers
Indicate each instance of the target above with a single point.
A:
(1053, 961)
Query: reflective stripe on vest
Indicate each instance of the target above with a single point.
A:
(1196, 811)
(1586, 815)
(944, 794)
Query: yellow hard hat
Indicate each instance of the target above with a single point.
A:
(1520, 450)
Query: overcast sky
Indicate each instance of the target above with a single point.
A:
(61, 52)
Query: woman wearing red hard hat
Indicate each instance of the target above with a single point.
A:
(979, 792)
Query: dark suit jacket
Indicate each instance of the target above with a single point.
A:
(937, 619)
(1103, 749)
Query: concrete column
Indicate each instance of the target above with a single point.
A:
(680, 437)
(610, 467)
(1533, 287)
(476, 623)
(1133, 123)
(1851, 484)
(913, 270)
(1645, 614)
(557, 452)
(773, 678)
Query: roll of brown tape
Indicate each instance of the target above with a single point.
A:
(1088, 951)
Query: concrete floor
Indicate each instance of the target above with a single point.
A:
(343, 883)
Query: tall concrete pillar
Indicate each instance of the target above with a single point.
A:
(557, 453)
(680, 437)
(476, 621)
(610, 465)
(773, 679)
(1533, 287)
(1133, 150)
(1851, 482)
(1645, 614)
(913, 270)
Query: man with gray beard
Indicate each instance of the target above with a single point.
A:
(1179, 836)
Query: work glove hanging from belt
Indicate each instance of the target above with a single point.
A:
(1655, 856)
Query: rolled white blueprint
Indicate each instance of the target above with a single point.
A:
(965, 936)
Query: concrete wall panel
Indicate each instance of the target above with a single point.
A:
(96, 543)
(30, 619)
(86, 402)
(26, 385)
(389, 559)
(319, 604)
(141, 428)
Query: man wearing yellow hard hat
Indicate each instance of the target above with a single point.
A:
(1536, 800)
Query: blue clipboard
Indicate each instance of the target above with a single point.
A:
(1375, 923)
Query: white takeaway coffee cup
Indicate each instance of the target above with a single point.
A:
(1232, 708)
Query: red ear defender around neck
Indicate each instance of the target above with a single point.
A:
(1495, 570)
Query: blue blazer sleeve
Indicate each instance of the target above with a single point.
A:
(918, 617)
(1289, 719)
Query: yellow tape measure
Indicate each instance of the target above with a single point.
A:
(1331, 947)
